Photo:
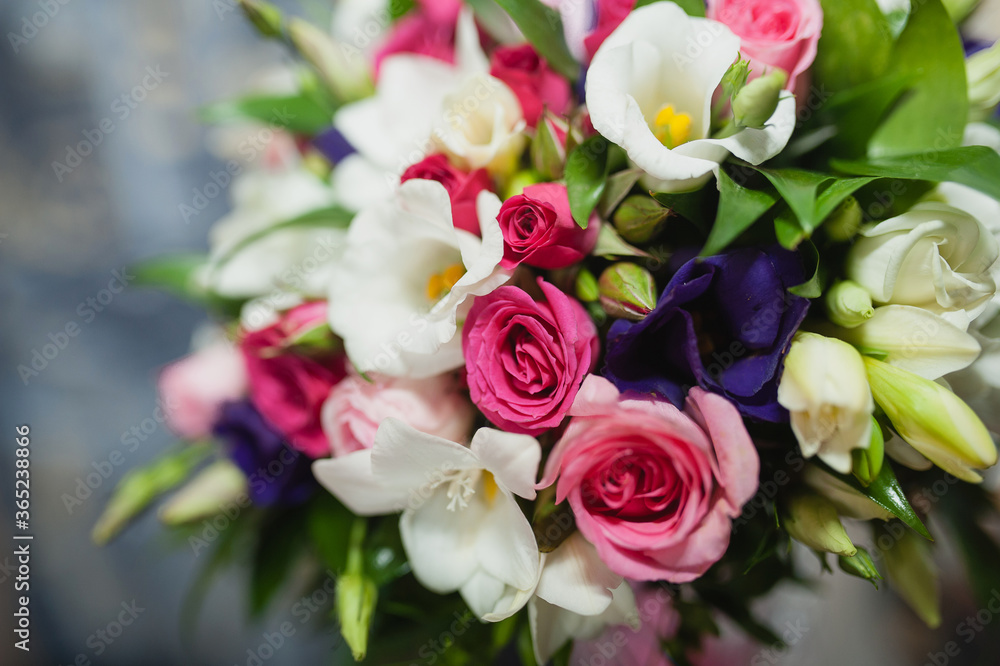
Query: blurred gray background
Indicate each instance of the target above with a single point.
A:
(62, 236)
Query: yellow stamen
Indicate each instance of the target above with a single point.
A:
(441, 283)
(671, 128)
(490, 488)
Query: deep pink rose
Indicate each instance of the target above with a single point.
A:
(526, 359)
(287, 386)
(653, 488)
(773, 33)
(423, 33)
(463, 188)
(610, 14)
(194, 388)
(356, 407)
(538, 229)
(537, 87)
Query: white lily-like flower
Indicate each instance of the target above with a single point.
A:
(296, 259)
(576, 598)
(423, 105)
(825, 387)
(933, 256)
(461, 526)
(407, 279)
(649, 90)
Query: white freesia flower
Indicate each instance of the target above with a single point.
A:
(914, 339)
(576, 598)
(649, 90)
(933, 256)
(296, 259)
(461, 526)
(423, 105)
(407, 279)
(825, 387)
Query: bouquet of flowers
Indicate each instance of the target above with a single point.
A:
(544, 324)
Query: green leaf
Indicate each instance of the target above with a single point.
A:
(739, 208)
(855, 44)
(977, 167)
(691, 7)
(610, 244)
(586, 177)
(542, 26)
(813, 287)
(933, 117)
(887, 493)
(279, 545)
(300, 113)
(172, 273)
(333, 217)
(329, 524)
(698, 207)
(812, 196)
(617, 188)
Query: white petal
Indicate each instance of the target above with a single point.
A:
(512, 459)
(407, 458)
(485, 594)
(441, 544)
(350, 479)
(575, 578)
(505, 543)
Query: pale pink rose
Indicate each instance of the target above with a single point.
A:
(526, 359)
(428, 30)
(194, 388)
(621, 645)
(773, 33)
(539, 230)
(537, 87)
(356, 407)
(653, 488)
(288, 386)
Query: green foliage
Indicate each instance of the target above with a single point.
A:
(855, 45)
(301, 113)
(586, 177)
(739, 207)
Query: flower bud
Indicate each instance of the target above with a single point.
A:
(141, 486)
(933, 420)
(825, 388)
(548, 148)
(639, 218)
(264, 16)
(812, 520)
(221, 483)
(346, 73)
(848, 304)
(845, 221)
(356, 595)
(846, 498)
(627, 291)
(913, 575)
(754, 105)
(867, 463)
(586, 287)
(860, 564)
(521, 180)
(735, 79)
(982, 70)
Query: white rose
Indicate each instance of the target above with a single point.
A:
(934, 256)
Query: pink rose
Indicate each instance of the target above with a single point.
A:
(463, 188)
(659, 622)
(773, 33)
(653, 488)
(537, 87)
(610, 14)
(424, 33)
(526, 359)
(288, 386)
(538, 229)
(356, 407)
(194, 388)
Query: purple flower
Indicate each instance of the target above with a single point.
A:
(276, 473)
(723, 323)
